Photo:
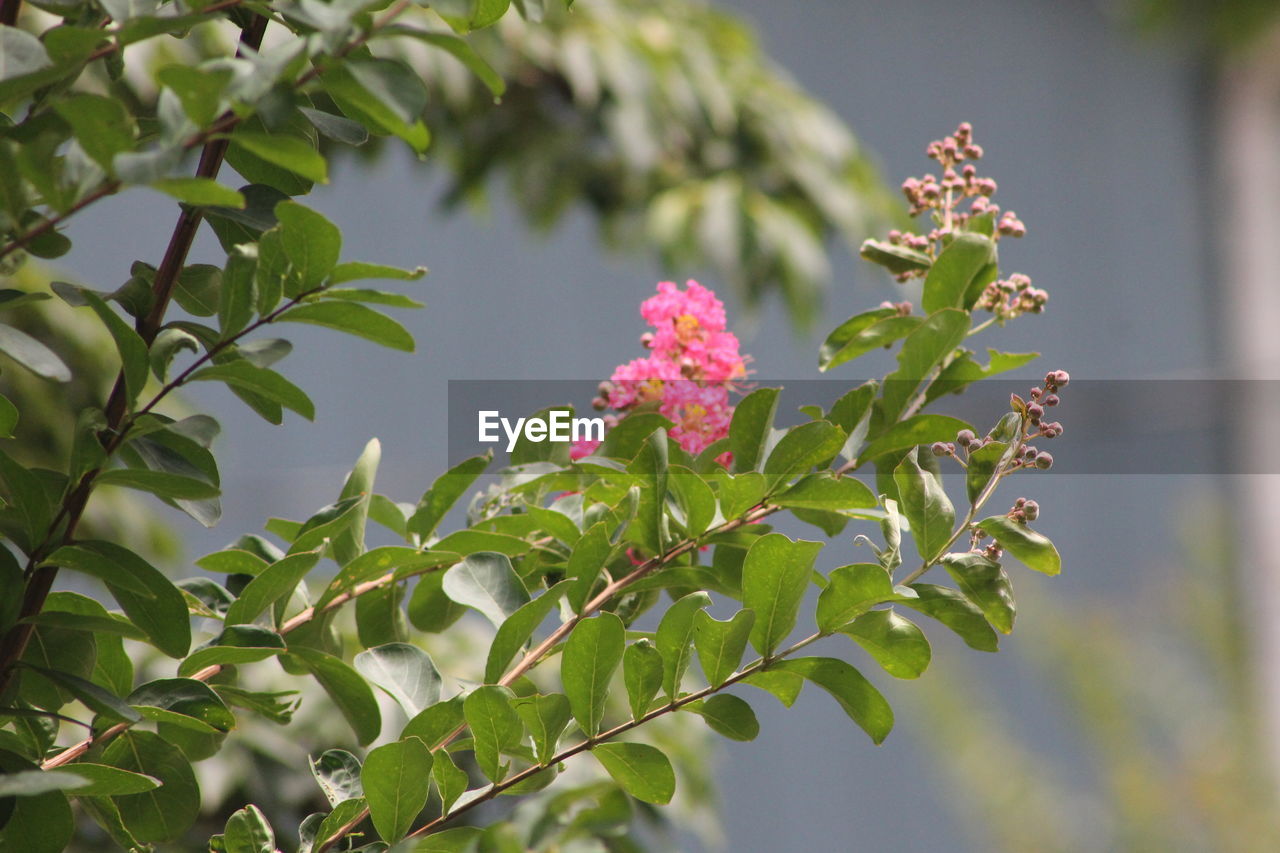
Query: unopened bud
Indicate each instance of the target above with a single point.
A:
(1031, 510)
(1044, 461)
(938, 449)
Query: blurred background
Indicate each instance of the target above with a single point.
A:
(1135, 707)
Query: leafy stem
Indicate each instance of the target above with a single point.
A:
(622, 728)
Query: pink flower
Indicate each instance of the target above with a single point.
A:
(689, 372)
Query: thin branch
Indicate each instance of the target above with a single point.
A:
(622, 728)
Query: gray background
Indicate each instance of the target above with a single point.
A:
(1094, 138)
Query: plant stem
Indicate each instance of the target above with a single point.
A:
(590, 743)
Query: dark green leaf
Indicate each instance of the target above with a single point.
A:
(235, 645)
(850, 591)
(248, 831)
(259, 380)
(517, 629)
(275, 583)
(958, 271)
(800, 449)
(346, 688)
(642, 672)
(337, 772)
(290, 152)
(162, 814)
(914, 431)
(931, 342)
(444, 493)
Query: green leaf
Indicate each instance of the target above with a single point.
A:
(545, 716)
(720, 644)
(8, 417)
(161, 612)
(275, 583)
(355, 319)
(159, 483)
(824, 490)
(337, 772)
(642, 672)
(396, 779)
(650, 465)
(863, 333)
(405, 672)
(696, 499)
(183, 697)
(913, 432)
(430, 609)
(641, 770)
(199, 90)
(374, 297)
(590, 657)
(925, 504)
(896, 259)
(342, 815)
(200, 192)
(95, 698)
(728, 715)
(290, 152)
(800, 449)
(462, 51)
(963, 370)
(248, 831)
(775, 576)
(931, 342)
(739, 493)
(237, 297)
(625, 440)
(346, 688)
(1032, 548)
(29, 352)
(101, 125)
(94, 565)
(434, 725)
(895, 642)
(259, 380)
(451, 781)
(851, 591)
(485, 582)
(105, 781)
(495, 726)
(674, 639)
(164, 813)
(234, 645)
(953, 610)
(749, 428)
(383, 95)
(855, 695)
(518, 628)
(32, 783)
(959, 270)
(444, 493)
(359, 271)
(985, 584)
(312, 244)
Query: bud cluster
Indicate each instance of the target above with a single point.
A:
(1012, 297)
(943, 196)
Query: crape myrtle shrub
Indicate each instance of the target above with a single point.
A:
(562, 553)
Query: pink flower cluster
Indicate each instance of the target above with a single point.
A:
(689, 372)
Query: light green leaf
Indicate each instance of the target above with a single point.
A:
(960, 272)
(495, 726)
(824, 490)
(405, 672)
(289, 152)
(800, 449)
(518, 628)
(895, 642)
(851, 591)
(545, 716)
(928, 344)
(355, 319)
(1032, 548)
(925, 504)
(720, 644)
(29, 352)
(857, 696)
(642, 672)
(485, 582)
(641, 770)
(346, 688)
(396, 779)
(248, 831)
(674, 639)
(728, 715)
(914, 431)
(590, 657)
(749, 428)
(775, 576)
(201, 192)
(953, 610)
(259, 380)
(985, 584)
(275, 583)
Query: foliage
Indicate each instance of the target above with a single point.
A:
(563, 557)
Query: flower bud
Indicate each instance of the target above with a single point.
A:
(1061, 378)
(1031, 510)
(965, 436)
(1044, 461)
(1051, 400)
(1036, 411)
(938, 449)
